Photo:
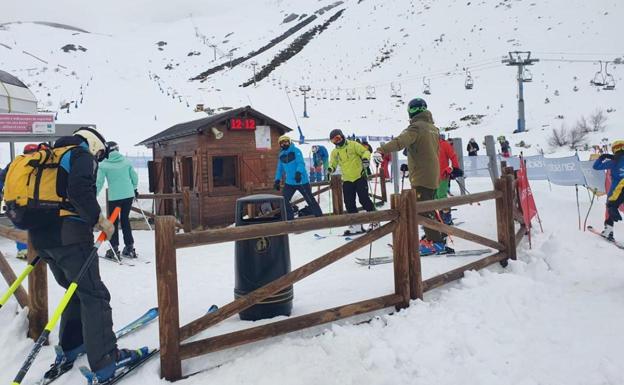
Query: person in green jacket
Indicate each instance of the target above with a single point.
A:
(353, 159)
(122, 182)
(421, 140)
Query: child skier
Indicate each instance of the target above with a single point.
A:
(615, 196)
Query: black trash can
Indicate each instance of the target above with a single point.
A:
(262, 260)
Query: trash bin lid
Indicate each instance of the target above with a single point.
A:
(258, 198)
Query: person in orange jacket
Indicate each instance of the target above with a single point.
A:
(449, 168)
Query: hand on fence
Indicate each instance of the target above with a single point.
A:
(404, 168)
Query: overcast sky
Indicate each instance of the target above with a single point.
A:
(110, 15)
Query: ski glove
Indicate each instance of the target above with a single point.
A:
(606, 156)
(106, 226)
(457, 173)
(448, 171)
(377, 158)
(365, 163)
(404, 167)
(276, 185)
(298, 177)
(136, 193)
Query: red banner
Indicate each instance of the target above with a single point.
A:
(529, 210)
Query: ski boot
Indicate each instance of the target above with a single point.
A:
(608, 232)
(447, 217)
(354, 229)
(123, 358)
(63, 362)
(129, 252)
(112, 254)
(428, 247)
(22, 254)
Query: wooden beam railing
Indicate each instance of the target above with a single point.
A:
(36, 299)
(402, 220)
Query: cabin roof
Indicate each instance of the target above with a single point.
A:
(200, 125)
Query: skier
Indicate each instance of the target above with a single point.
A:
(505, 147)
(290, 162)
(22, 248)
(421, 139)
(65, 243)
(615, 197)
(353, 159)
(446, 155)
(472, 147)
(320, 162)
(122, 182)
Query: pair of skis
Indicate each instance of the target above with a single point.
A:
(617, 244)
(132, 327)
(389, 259)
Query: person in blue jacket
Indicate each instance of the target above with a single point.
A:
(320, 162)
(615, 196)
(291, 163)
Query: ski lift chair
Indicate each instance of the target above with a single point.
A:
(527, 76)
(426, 87)
(469, 83)
(609, 79)
(599, 78)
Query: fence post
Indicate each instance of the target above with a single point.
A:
(37, 295)
(399, 251)
(501, 217)
(186, 207)
(413, 249)
(167, 287)
(336, 188)
(509, 208)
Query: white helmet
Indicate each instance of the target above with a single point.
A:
(96, 142)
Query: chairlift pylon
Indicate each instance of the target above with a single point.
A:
(599, 78)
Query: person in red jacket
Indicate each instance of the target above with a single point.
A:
(448, 165)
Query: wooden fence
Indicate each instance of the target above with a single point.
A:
(36, 299)
(402, 220)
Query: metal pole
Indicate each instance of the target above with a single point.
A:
(305, 104)
(395, 171)
(521, 122)
(12, 149)
(490, 149)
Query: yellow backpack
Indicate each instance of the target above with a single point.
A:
(30, 190)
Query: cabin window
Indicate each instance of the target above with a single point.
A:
(224, 171)
(187, 172)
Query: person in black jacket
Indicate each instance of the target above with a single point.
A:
(472, 148)
(65, 244)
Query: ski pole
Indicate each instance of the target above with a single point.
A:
(370, 249)
(142, 212)
(11, 290)
(71, 289)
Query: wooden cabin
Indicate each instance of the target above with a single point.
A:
(220, 158)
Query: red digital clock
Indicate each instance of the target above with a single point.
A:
(242, 124)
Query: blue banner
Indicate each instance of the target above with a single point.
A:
(565, 171)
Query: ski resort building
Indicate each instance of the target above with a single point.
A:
(219, 158)
(15, 96)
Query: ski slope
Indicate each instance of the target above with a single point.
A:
(373, 48)
(552, 317)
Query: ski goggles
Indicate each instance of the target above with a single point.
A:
(336, 139)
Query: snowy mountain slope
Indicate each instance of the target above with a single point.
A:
(371, 49)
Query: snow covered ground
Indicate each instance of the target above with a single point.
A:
(552, 317)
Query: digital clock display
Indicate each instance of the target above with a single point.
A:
(242, 124)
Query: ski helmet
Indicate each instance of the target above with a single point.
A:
(95, 142)
(416, 106)
(617, 146)
(334, 136)
(112, 146)
(284, 141)
(30, 148)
